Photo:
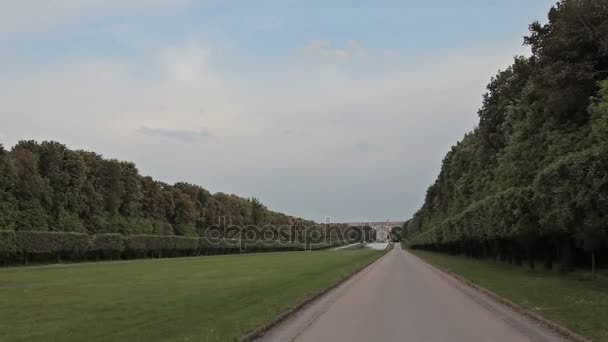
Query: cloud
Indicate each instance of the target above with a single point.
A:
(176, 134)
(390, 53)
(23, 17)
(297, 132)
(352, 49)
(267, 23)
(307, 137)
(317, 46)
(356, 49)
(359, 148)
(321, 48)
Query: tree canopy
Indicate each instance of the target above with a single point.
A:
(48, 187)
(531, 179)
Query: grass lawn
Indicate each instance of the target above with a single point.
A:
(216, 298)
(581, 305)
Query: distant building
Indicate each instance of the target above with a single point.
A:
(383, 229)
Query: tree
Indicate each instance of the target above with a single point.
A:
(530, 179)
(257, 211)
(31, 191)
(570, 53)
(8, 181)
(396, 233)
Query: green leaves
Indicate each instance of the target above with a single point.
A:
(107, 243)
(75, 246)
(534, 173)
(30, 242)
(8, 242)
(571, 56)
(48, 187)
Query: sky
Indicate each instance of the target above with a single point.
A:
(320, 108)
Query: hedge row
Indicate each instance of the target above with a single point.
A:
(507, 215)
(561, 214)
(8, 244)
(568, 198)
(75, 246)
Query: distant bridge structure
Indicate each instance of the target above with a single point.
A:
(383, 229)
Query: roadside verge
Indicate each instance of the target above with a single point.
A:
(534, 317)
(260, 331)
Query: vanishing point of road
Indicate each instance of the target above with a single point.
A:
(401, 298)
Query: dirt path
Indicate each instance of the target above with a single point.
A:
(400, 298)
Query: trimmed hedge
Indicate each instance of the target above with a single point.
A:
(186, 244)
(51, 242)
(8, 242)
(52, 246)
(107, 243)
(145, 244)
(562, 211)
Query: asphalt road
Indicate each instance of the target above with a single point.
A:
(401, 298)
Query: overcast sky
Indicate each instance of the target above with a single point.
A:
(319, 108)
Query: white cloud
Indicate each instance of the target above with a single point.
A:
(320, 48)
(307, 137)
(180, 135)
(390, 53)
(317, 46)
(267, 23)
(19, 17)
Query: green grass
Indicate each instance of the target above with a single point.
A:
(187, 299)
(568, 299)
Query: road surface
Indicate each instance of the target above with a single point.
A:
(401, 298)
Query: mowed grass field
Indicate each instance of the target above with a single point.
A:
(568, 299)
(216, 298)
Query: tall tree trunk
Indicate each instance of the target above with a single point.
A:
(566, 258)
(547, 248)
(531, 262)
(548, 264)
(593, 265)
(517, 258)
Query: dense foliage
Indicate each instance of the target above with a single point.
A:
(22, 246)
(531, 180)
(48, 187)
(57, 203)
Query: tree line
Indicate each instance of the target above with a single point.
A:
(48, 187)
(58, 203)
(530, 182)
(52, 246)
